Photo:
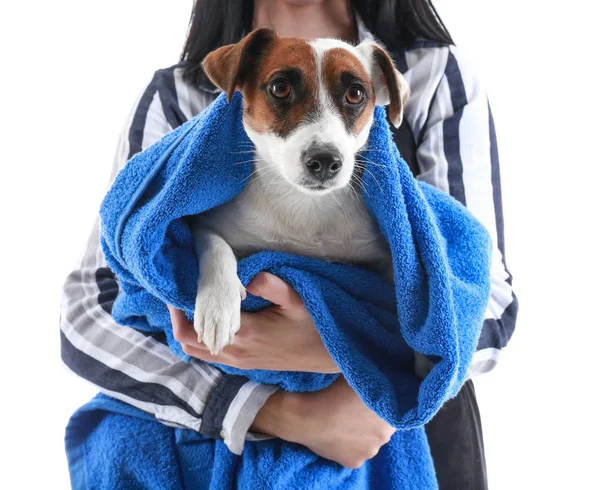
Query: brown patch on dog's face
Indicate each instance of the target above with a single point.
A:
(343, 72)
(229, 67)
(287, 62)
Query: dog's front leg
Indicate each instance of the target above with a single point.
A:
(220, 292)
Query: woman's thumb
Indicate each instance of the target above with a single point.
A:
(275, 290)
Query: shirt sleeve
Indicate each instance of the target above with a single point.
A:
(132, 366)
(457, 152)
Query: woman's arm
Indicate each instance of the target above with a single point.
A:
(457, 152)
(125, 363)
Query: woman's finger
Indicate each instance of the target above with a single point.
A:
(177, 315)
(222, 358)
(202, 354)
(183, 330)
(275, 290)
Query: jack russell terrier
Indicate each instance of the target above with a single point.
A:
(308, 109)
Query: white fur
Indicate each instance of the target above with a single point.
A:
(275, 212)
(217, 309)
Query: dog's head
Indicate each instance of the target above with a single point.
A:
(308, 105)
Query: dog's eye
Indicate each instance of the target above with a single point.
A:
(355, 95)
(280, 89)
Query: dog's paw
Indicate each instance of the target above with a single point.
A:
(217, 314)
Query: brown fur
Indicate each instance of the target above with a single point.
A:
(386, 65)
(230, 66)
(336, 63)
(261, 113)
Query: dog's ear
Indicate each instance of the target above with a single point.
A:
(389, 84)
(228, 66)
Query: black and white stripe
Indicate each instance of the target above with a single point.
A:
(456, 151)
(127, 364)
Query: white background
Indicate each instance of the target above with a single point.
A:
(70, 73)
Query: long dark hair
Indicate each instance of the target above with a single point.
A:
(216, 23)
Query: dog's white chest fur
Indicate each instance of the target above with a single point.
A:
(273, 216)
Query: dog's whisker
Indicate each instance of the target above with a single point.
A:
(268, 168)
(369, 160)
(266, 171)
(366, 160)
(337, 201)
(355, 191)
(241, 152)
(250, 176)
(254, 151)
(271, 183)
(362, 186)
(291, 189)
(374, 178)
(363, 167)
(372, 150)
(352, 189)
(367, 164)
(253, 160)
(256, 159)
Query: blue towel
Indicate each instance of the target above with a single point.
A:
(372, 328)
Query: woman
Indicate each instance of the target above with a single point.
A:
(448, 138)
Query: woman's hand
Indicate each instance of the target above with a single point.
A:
(333, 423)
(279, 338)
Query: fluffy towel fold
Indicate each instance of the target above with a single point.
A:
(372, 328)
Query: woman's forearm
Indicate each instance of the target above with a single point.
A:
(334, 423)
(279, 416)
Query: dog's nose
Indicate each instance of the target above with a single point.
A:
(323, 164)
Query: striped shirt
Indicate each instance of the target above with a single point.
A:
(455, 150)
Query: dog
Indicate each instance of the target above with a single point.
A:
(308, 110)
